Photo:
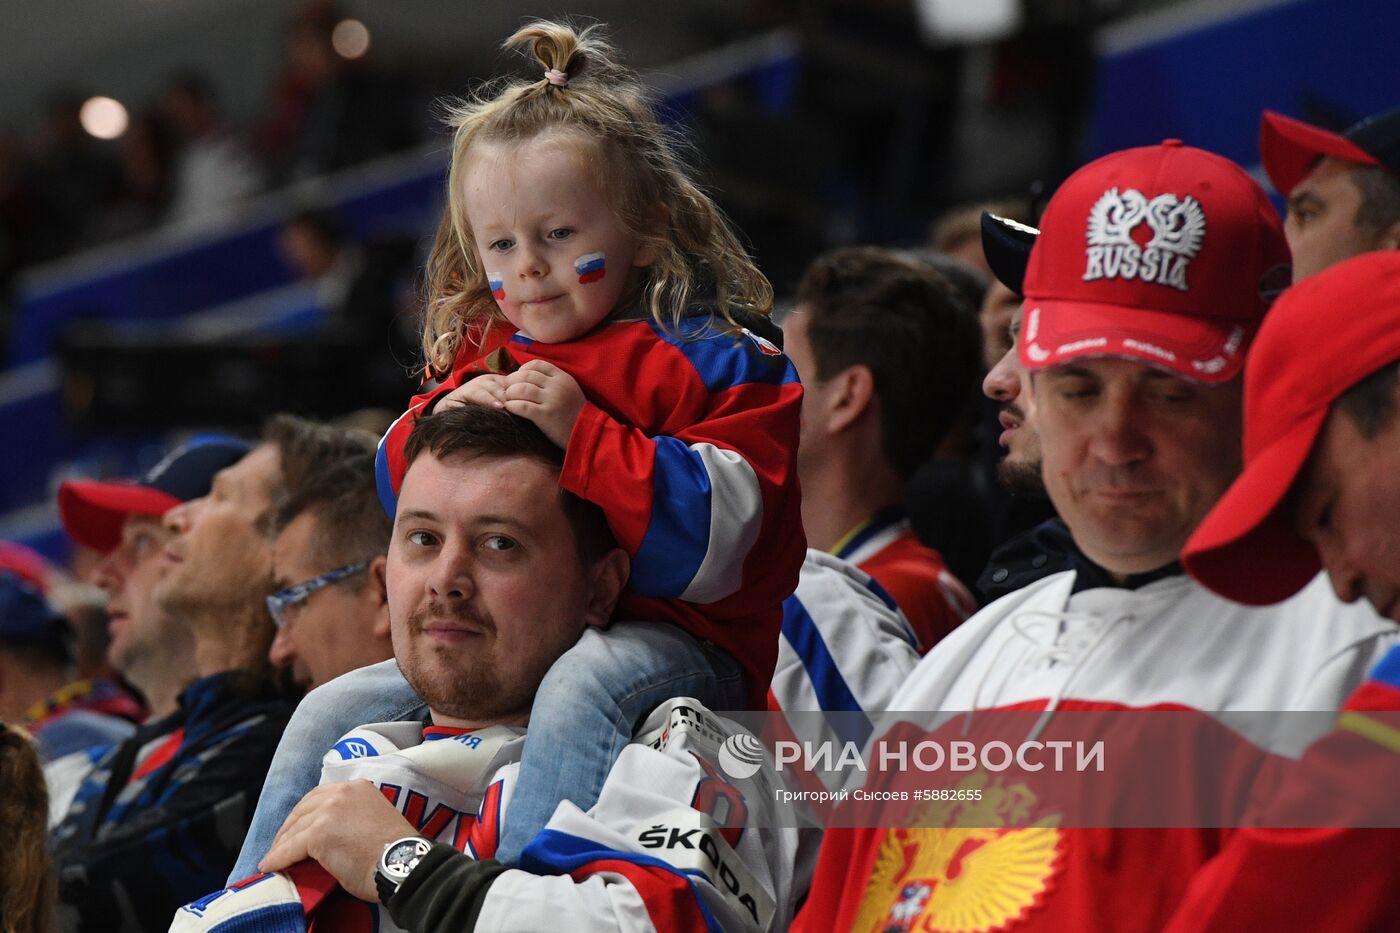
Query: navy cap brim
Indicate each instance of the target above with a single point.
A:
(1007, 245)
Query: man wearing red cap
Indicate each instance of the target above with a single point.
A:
(1152, 271)
(122, 521)
(1320, 489)
(1343, 190)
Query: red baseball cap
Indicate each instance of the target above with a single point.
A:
(1325, 334)
(1165, 255)
(1290, 148)
(93, 512)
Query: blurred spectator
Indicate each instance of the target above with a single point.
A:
(152, 649)
(328, 559)
(958, 231)
(81, 603)
(212, 171)
(945, 497)
(75, 179)
(26, 878)
(887, 359)
(160, 818)
(359, 286)
(36, 679)
(313, 243)
(308, 61)
(327, 112)
(35, 654)
(146, 159)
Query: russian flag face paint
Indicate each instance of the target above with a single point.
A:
(590, 267)
(498, 288)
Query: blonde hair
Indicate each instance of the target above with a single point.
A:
(27, 888)
(605, 104)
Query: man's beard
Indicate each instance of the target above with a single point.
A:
(469, 692)
(1022, 479)
(150, 649)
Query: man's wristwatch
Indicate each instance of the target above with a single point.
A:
(397, 861)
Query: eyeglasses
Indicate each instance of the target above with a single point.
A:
(281, 601)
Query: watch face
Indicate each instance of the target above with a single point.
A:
(403, 855)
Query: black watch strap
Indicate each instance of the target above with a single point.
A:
(386, 887)
(446, 891)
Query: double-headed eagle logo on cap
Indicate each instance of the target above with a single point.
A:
(1178, 228)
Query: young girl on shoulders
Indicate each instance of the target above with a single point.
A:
(582, 281)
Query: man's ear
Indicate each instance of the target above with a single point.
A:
(608, 577)
(1390, 237)
(377, 593)
(849, 394)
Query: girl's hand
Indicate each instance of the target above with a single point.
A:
(345, 828)
(488, 390)
(548, 396)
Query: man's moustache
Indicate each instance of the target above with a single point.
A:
(435, 610)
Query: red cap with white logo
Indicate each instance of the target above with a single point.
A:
(1166, 255)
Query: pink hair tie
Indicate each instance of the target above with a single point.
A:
(556, 77)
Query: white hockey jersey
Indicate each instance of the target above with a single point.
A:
(1168, 645)
(845, 646)
(672, 844)
(1170, 642)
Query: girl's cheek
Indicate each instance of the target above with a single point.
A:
(591, 267)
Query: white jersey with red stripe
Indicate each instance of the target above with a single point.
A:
(672, 844)
(1170, 644)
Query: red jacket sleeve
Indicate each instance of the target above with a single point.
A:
(1331, 874)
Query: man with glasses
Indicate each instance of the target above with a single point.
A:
(328, 556)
